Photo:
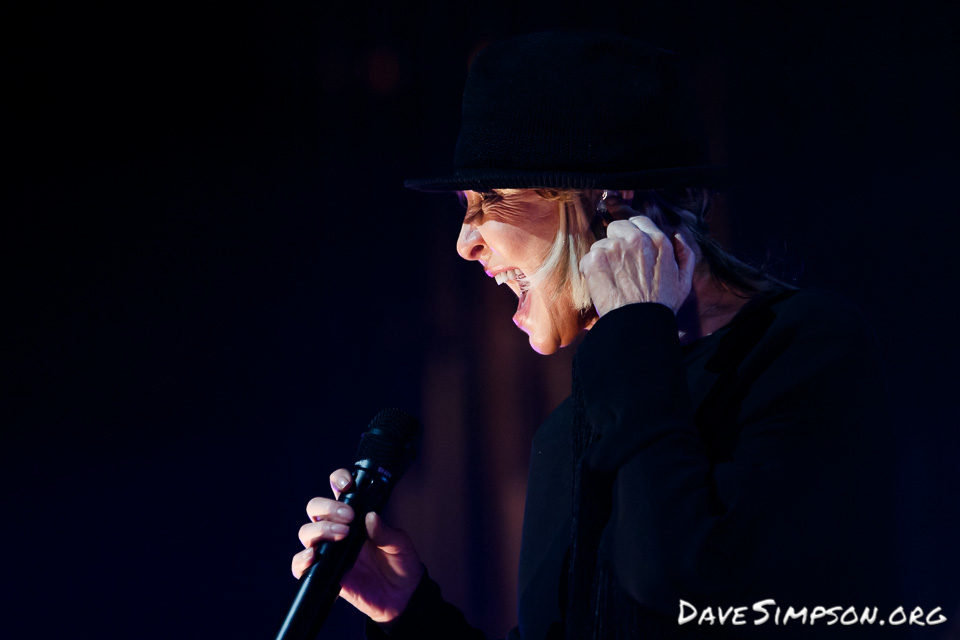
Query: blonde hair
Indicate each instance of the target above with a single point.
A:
(561, 265)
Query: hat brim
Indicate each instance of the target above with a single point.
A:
(486, 179)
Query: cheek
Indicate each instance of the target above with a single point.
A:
(544, 324)
(501, 237)
(517, 244)
(558, 318)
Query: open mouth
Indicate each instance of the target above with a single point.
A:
(513, 277)
(518, 283)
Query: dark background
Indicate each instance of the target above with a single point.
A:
(213, 278)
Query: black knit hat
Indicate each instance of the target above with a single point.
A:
(577, 110)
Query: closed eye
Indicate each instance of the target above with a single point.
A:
(473, 213)
(487, 198)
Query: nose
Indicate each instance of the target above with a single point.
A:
(470, 244)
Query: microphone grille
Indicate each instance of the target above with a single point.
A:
(391, 440)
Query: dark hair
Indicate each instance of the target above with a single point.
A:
(691, 207)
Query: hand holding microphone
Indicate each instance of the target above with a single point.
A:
(369, 564)
(387, 569)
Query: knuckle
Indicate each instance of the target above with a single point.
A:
(648, 226)
(317, 506)
(311, 532)
(620, 226)
(658, 237)
(300, 562)
(327, 529)
(305, 531)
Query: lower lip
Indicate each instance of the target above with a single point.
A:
(522, 308)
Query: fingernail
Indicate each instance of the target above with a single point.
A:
(309, 552)
(339, 528)
(343, 512)
(342, 482)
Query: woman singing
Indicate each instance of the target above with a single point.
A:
(723, 445)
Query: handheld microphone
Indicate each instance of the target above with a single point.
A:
(386, 450)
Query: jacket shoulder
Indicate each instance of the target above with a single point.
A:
(819, 312)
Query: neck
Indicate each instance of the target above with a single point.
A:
(709, 307)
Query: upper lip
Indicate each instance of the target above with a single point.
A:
(495, 270)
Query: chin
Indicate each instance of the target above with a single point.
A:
(543, 348)
(545, 345)
(549, 332)
(554, 339)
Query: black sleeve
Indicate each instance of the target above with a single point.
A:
(787, 514)
(428, 616)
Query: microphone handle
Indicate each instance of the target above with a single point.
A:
(320, 584)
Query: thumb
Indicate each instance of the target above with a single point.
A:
(387, 539)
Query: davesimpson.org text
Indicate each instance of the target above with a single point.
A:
(767, 612)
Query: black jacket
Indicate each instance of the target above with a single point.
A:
(752, 464)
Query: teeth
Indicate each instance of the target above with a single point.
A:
(503, 276)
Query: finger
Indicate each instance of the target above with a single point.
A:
(389, 540)
(588, 263)
(640, 244)
(623, 229)
(599, 279)
(666, 262)
(301, 562)
(649, 227)
(595, 266)
(686, 260)
(314, 532)
(602, 244)
(327, 509)
(340, 480)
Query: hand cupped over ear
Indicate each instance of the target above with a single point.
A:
(638, 262)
